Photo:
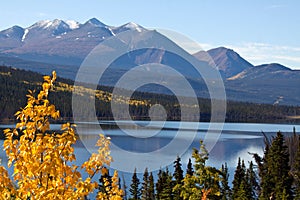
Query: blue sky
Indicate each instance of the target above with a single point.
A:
(260, 31)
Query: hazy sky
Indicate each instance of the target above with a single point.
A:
(260, 31)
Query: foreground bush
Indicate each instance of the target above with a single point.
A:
(43, 161)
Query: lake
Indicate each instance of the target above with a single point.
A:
(155, 145)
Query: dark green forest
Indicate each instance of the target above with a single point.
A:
(15, 83)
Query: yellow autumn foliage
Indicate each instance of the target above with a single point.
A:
(42, 160)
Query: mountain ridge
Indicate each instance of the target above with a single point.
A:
(62, 45)
(227, 61)
(222, 56)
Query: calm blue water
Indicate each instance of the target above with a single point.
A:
(156, 145)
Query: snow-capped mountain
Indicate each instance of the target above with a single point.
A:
(56, 26)
(62, 45)
(57, 41)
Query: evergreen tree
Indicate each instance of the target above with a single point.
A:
(167, 187)
(145, 185)
(238, 178)
(292, 144)
(279, 168)
(276, 181)
(159, 184)
(252, 180)
(225, 189)
(135, 191)
(297, 172)
(204, 183)
(151, 187)
(104, 179)
(266, 185)
(190, 169)
(178, 175)
(244, 182)
(124, 187)
(164, 185)
(178, 172)
(242, 193)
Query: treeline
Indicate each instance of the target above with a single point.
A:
(14, 85)
(275, 175)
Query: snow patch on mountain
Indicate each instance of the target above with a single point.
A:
(134, 26)
(40, 24)
(73, 24)
(56, 23)
(25, 34)
(111, 31)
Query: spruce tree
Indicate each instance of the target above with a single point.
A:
(167, 187)
(105, 178)
(279, 168)
(274, 170)
(242, 193)
(124, 187)
(135, 191)
(178, 172)
(178, 176)
(145, 185)
(246, 184)
(190, 169)
(252, 180)
(225, 189)
(159, 184)
(292, 144)
(266, 184)
(237, 180)
(151, 187)
(297, 172)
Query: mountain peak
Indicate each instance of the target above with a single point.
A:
(95, 22)
(55, 27)
(131, 26)
(227, 61)
(15, 31)
(16, 28)
(48, 24)
(223, 50)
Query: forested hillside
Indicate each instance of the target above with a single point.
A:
(15, 83)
